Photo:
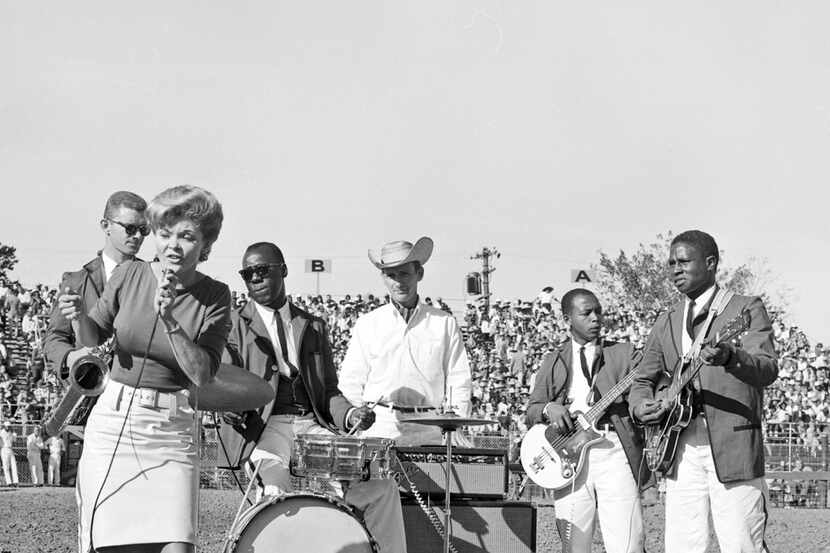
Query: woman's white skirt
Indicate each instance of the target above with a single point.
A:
(151, 492)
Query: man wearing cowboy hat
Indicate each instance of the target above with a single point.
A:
(405, 357)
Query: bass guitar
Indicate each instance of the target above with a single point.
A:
(661, 438)
(554, 460)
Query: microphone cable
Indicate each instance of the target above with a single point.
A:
(121, 432)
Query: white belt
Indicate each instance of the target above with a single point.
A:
(144, 397)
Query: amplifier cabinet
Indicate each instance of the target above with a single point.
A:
(475, 474)
(477, 527)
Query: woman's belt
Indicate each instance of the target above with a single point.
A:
(145, 397)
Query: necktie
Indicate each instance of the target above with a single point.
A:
(283, 344)
(583, 362)
(690, 318)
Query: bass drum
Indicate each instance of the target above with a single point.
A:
(300, 523)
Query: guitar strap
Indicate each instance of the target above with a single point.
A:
(719, 303)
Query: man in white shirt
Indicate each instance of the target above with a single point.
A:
(612, 476)
(717, 470)
(56, 447)
(124, 227)
(406, 357)
(34, 444)
(7, 438)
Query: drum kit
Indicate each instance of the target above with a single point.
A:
(294, 522)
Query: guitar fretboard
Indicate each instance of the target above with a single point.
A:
(596, 411)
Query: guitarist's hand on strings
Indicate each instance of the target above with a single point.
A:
(717, 355)
(559, 417)
(649, 411)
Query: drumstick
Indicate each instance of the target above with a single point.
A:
(370, 405)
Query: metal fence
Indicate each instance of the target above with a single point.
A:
(798, 470)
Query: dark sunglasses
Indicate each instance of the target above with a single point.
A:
(132, 229)
(261, 271)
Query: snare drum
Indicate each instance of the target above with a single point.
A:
(300, 523)
(341, 457)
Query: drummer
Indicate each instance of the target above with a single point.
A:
(406, 357)
(289, 348)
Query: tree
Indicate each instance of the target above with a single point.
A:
(639, 280)
(8, 259)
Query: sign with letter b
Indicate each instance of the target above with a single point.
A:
(318, 265)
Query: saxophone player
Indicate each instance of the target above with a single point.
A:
(124, 227)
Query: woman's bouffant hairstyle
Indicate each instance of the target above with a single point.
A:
(191, 203)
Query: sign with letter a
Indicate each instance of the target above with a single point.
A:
(582, 276)
(318, 265)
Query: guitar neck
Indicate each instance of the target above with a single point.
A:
(732, 330)
(685, 377)
(609, 397)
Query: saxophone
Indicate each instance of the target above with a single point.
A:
(88, 376)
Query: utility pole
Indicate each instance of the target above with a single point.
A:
(484, 255)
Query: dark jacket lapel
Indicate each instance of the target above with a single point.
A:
(566, 355)
(257, 333)
(95, 274)
(299, 322)
(602, 378)
(677, 327)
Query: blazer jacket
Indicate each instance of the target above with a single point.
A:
(60, 340)
(250, 347)
(611, 363)
(732, 395)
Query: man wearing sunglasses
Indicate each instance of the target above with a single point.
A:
(124, 227)
(289, 348)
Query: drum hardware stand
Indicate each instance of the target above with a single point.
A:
(251, 482)
(448, 422)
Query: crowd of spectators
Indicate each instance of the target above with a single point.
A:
(26, 388)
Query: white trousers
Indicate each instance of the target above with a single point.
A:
(604, 487)
(35, 467)
(738, 508)
(379, 500)
(54, 471)
(9, 465)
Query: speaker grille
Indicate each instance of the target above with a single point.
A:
(477, 527)
(476, 473)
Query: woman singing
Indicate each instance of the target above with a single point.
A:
(138, 474)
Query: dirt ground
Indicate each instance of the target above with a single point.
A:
(44, 520)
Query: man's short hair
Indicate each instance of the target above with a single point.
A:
(267, 246)
(122, 198)
(702, 241)
(567, 302)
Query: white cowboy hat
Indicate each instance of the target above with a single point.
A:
(395, 254)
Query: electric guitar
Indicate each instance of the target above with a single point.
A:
(661, 438)
(554, 460)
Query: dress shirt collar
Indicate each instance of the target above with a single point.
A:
(267, 313)
(407, 313)
(702, 299)
(109, 265)
(590, 347)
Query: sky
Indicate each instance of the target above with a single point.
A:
(548, 130)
